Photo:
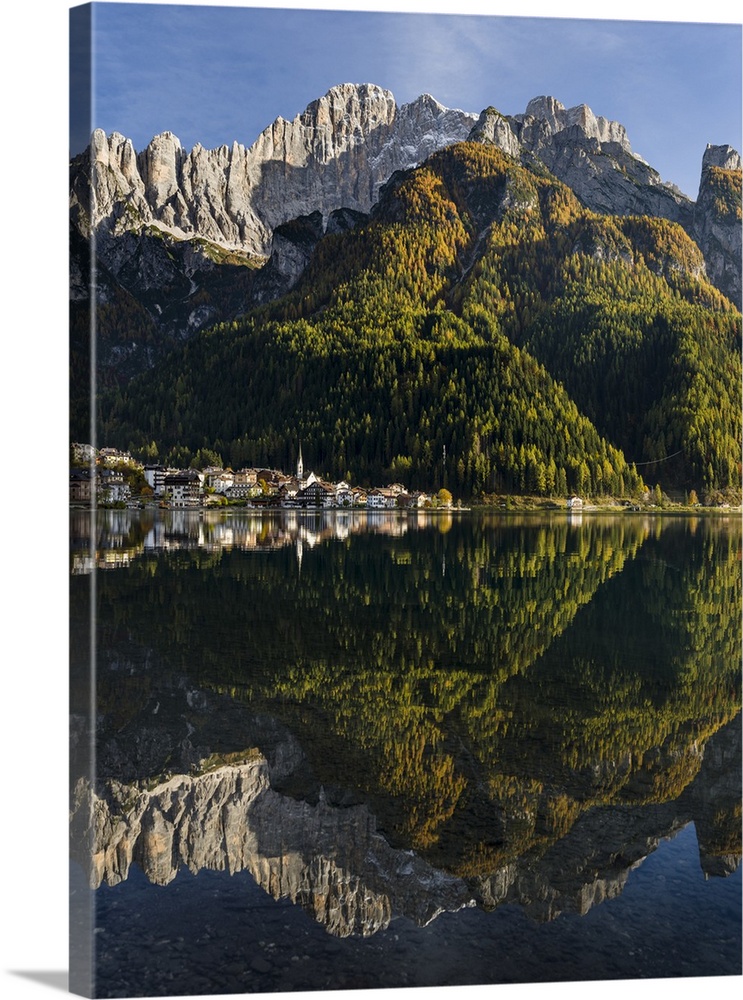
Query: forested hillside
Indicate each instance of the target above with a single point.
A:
(481, 331)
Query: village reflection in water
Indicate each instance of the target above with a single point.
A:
(118, 539)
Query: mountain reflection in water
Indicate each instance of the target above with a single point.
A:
(389, 716)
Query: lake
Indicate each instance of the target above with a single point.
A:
(345, 750)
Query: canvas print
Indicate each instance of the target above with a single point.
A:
(405, 500)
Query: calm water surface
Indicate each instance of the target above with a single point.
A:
(349, 751)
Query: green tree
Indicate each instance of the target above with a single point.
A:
(206, 457)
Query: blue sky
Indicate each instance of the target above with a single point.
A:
(215, 74)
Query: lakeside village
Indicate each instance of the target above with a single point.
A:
(112, 478)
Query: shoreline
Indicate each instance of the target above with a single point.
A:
(502, 510)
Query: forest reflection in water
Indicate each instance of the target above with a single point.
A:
(386, 716)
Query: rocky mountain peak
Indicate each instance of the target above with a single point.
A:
(553, 117)
(724, 157)
(428, 101)
(428, 108)
(544, 107)
(348, 112)
(493, 128)
(552, 132)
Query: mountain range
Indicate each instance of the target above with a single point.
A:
(248, 242)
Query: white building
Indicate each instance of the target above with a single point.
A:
(111, 487)
(343, 494)
(182, 489)
(381, 498)
(220, 481)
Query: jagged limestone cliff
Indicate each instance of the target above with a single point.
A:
(717, 218)
(330, 860)
(336, 154)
